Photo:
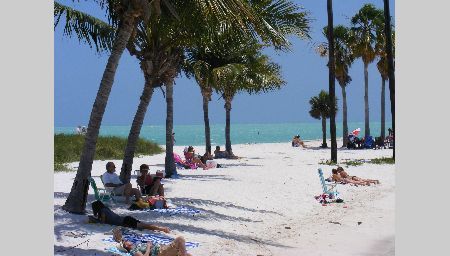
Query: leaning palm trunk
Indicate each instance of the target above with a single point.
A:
(366, 101)
(169, 160)
(133, 136)
(76, 201)
(383, 114)
(206, 98)
(344, 117)
(228, 127)
(324, 132)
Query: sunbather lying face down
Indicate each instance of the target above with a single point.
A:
(344, 174)
(176, 248)
(106, 216)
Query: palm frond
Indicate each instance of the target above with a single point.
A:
(87, 28)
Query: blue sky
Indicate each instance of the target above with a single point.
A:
(78, 71)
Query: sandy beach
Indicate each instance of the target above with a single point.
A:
(261, 204)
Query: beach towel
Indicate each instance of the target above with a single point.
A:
(174, 211)
(143, 238)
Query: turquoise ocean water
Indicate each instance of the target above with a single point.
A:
(240, 133)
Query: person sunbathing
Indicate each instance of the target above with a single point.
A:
(149, 184)
(103, 214)
(338, 178)
(191, 158)
(297, 142)
(344, 174)
(176, 248)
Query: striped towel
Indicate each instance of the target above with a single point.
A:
(143, 238)
(177, 210)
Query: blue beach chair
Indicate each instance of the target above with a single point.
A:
(327, 187)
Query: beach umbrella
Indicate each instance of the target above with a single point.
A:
(356, 132)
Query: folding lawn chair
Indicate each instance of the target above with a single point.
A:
(327, 187)
(100, 193)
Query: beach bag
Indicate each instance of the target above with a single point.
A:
(157, 202)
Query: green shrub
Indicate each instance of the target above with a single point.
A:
(383, 160)
(68, 149)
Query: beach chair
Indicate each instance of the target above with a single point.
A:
(109, 190)
(99, 193)
(327, 187)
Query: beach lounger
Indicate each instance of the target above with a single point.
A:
(110, 191)
(327, 187)
(99, 193)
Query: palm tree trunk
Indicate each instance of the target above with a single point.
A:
(324, 132)
(206, 120)
(366, 100)
(331, 79)
(344, 117)
(169, 161)
(390, 58)
(383, 120)
(76, 201)
(228, 127)
(133, 136)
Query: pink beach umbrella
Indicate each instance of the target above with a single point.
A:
(356, 132)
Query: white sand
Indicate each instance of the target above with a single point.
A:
(262, 204)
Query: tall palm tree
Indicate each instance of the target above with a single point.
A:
(123, 14)
(321, 108)
(343, 60)
(390, 58)
(364, 31)
(382, 65)
(331, 77)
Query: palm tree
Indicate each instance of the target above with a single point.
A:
(123, 14)
(321, 108)
(382, 65)
(390, 58)
(205, 59)
(331, 77)
(364, 32)
(252, 72)
(343, 60)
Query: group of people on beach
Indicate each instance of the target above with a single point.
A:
(341, 176)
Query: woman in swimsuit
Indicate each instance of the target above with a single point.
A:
(344, 174)
(338, 178)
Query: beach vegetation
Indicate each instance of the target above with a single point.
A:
(321, 108)
(383, 160)
(68, 148)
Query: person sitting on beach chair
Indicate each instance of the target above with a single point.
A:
(176, 248)
(337, 178)
(149, 184)
(220, 154)
(104, 215)
(111, 179)
(191, 158)
(345, 175)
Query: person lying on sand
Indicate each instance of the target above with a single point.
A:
(150, 185)
(223, 154)
(189, 155)
(106, 216)
(337, 178)
(176, 248)
(344, 174)
(111, 179)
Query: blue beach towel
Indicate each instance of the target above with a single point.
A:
(174, 211)
(143, 238)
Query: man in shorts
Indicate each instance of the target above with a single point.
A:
(111, 179)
